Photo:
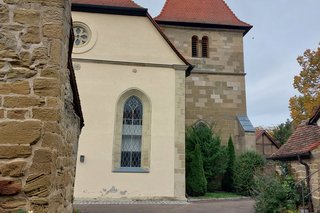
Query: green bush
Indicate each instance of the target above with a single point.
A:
(246, 165)
(228, 179)
(275, 194)
(215, 157)
(196, 181)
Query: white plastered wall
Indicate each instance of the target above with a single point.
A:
(124, 39)
(100, 87)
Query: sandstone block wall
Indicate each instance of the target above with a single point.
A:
(299, 173)
(216, 99)
(38, 125)
(215, 91)
(179, 162)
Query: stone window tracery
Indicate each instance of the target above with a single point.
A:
(132, 133)
(82, 34)
(132, 136)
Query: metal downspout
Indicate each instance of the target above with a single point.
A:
(310, 205)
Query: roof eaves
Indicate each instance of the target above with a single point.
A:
(91, 8)
(244, 23)
(315, 117)
(272, 139)
(246, 29)
(264, 132)
(290, 157)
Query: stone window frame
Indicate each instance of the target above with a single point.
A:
(200, 123)
(86, 29)
(93, 36)
(146, 133)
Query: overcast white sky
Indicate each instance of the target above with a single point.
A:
(282, 30)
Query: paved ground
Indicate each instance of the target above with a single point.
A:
(240, 206)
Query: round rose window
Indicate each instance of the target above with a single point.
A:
(82, 34)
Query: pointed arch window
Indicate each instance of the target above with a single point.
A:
(194, 44)
(132, 133)
(205, 46)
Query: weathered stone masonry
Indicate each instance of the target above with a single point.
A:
(40, 118)
(215, 91)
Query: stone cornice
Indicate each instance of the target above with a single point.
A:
(129, 63)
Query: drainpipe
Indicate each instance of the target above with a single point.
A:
(310, 205)
(263, 145)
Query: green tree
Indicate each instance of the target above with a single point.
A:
(228, 179)
(275, 194)
(282, 132)
(196, 180)
(215, 157)
(308, 85)
(247, 164)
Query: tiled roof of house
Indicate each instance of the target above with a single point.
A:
(261, 132)
(199, 11)
(304, 139)
(114, 3)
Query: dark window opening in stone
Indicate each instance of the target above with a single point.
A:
(194, 46)
(205, 46)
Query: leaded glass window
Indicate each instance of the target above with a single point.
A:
(131, 133)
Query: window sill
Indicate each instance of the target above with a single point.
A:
(130, 170)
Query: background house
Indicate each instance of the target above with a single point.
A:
(302, 152)
(266, 145)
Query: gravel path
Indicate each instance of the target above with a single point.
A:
(226, 206)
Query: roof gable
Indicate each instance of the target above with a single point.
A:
(199, 11)
(148, 36)
(260, 133)
(112, 3)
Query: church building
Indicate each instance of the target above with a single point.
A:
(132, 85)
(142, 81)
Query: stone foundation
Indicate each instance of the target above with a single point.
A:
(39, 128)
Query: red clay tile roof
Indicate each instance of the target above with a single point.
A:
(305, 139)
(199, 11)
(114, 3)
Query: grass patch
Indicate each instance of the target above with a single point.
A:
(218, 195)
